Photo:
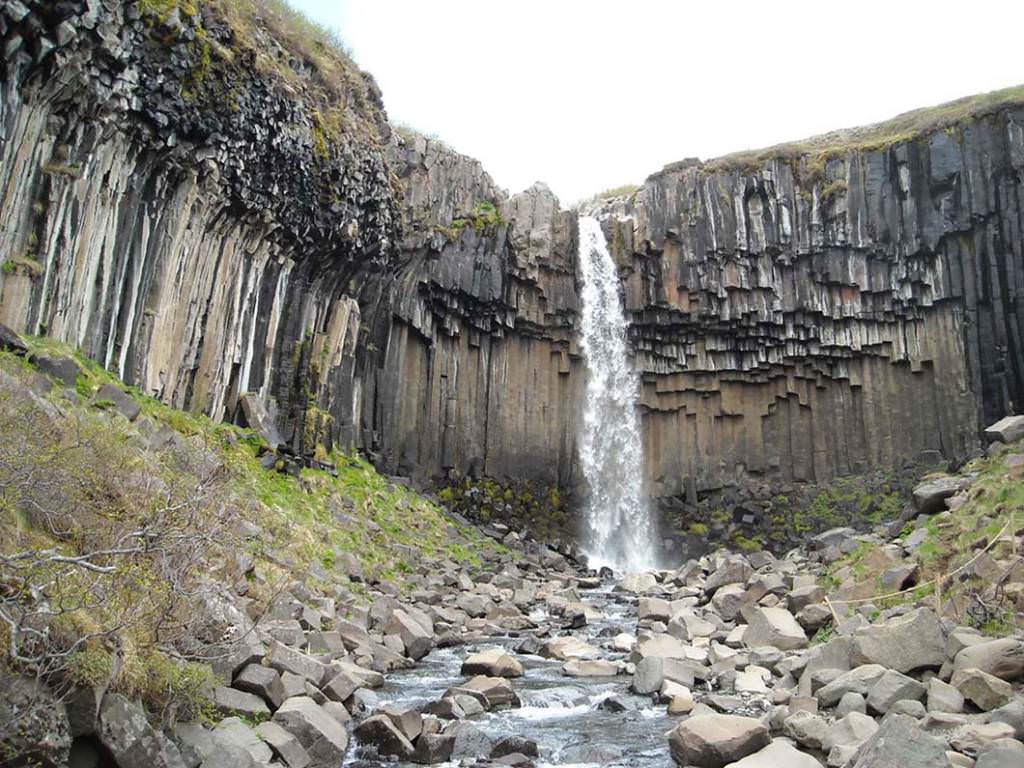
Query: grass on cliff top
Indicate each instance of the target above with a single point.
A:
(302, 54)
(817, 150)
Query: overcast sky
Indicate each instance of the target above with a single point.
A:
(587, 95)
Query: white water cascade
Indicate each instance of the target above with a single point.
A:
(619, 532)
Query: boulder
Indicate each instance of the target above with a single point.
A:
(381, 732)
(900, 743)
(713, 741)
(231, 731)
(905, 643)
(567, 648)
(416, 638)
(323, 737)
(284, 744)
(735, 570)
(125, 731)
(892, 687)
(231, 701)
(1003, 658)
(943, 697)
(984, 690)
(807, 730)
(1009, 429)
(779, 754)
(121, 401)
(513, 745)
(469, 741)
(494, 691)
(494, 663)
(591, 668)
(776, 627)
(930, 496)
(434, 748)
(263, 682)
(637, 583)
(286, 659)
(859, 680)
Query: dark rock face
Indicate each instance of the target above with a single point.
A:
(206, 237)
(803, 327)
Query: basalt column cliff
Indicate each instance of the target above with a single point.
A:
(213, 212)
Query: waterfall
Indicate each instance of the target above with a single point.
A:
(619, 529)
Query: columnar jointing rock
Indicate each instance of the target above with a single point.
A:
(202, 240)
(619, 529)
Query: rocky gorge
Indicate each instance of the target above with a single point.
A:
(212, 214)
(291, 405)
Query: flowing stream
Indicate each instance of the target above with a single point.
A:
(619, 530)
(562, 714)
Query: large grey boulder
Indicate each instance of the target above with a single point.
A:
(776, 627)
(468, 741)
(930, 496)
(1007, 430)
(285, 659)
(845, 736)
(134, 743)
(263, 682)
(900, 743)
(712, 741)
(1003, 658)
(943, 697)
(285, 744)
(232, 732)
(567, 648)
(859, 680)
(904, 643)
(892, 687)
(33, 722)
(984, 690)
(323, 737)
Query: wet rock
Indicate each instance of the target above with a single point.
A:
(494, 663)
(434, 748)
(591, 668)
(469, 741)
(515, 745)
(568, 648)
(380, 732)
(712, 741)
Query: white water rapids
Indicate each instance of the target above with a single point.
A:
(619, 532)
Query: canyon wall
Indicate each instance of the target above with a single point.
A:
(803, 323)
(202, 210)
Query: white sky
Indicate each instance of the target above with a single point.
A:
(590, 95)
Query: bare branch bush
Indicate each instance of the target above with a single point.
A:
(107, 552)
